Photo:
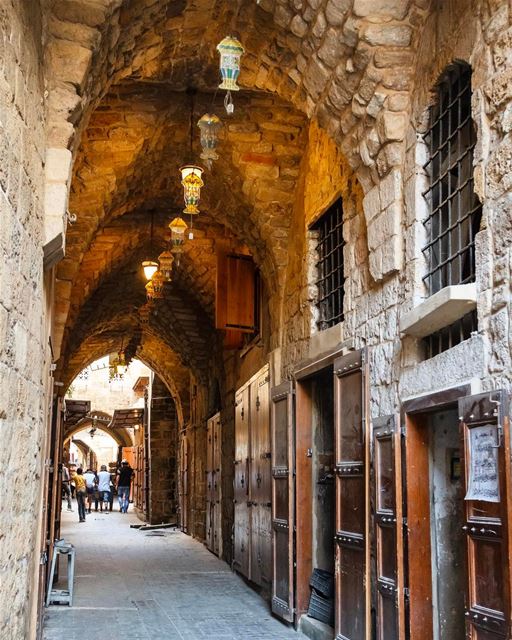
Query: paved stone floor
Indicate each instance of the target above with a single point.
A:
(133, 586)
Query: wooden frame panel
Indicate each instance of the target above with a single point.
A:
(283, 504)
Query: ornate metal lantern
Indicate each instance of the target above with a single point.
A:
(166, 259)
(209, 126)
(158, 281)
(150, 268)
(231, 51)
(152, 292)
(178, 226)
(145, 313)
(191, 179)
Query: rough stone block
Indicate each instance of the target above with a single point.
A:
(388, 35)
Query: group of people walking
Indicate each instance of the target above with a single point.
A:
(100, 486)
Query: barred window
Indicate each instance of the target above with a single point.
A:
(331, 277)
(455, 210)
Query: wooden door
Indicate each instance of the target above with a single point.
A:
(210, 497)
(260, 470)
(283, 464)
(241, 552)
(487, 476)
(217, 486)
(352, 544)
(184, 472)
(387, 529)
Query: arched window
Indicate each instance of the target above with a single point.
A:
(454, 209)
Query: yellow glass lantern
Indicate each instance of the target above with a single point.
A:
(152, 293)
(209, 126)
(166, 259)
(178, 226)
(150, 268)
(191, 179)
(158, 281)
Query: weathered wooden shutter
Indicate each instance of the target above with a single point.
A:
(282, 410)
(351, 452)
(241, 555)
(486, 530)
(235, 309)
(210, 502)
(388, 528)
(217, 486)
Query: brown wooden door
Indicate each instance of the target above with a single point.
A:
(351, 450)
(388, 529)
(282, 416)
(486, 446)
(241, 552)
(260, 490)
(217, 484)
(184, 498)
(210, 499)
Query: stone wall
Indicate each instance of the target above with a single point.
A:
(384, 229)
(23, 376)
(163, 455)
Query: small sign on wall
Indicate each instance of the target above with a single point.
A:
(483, 480)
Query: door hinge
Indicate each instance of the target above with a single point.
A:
(258, 403)
(406, 592)
(403, 430)
(404, 521)
(43, 559)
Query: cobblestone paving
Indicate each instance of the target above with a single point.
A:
(133, 586)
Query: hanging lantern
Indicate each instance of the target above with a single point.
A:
(121, 365)
(209, 126)
(178, 226)
(192, 182)
(145, 313)
(158, 281)
(152, 293)
(231, 51)
(150, 268)
(166, 259)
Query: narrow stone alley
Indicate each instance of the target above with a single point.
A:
(136, 585)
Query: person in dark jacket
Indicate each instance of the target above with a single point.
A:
(124, 480)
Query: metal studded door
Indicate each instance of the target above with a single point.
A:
(351, 451)
(241, 552)
(283, 508)
(386, 485)
(486, 530)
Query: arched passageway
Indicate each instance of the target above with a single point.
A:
(311, 341)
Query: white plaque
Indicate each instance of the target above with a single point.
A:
(484, 478)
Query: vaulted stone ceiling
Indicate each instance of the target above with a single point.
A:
(118, 71)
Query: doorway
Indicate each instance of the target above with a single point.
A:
(435, 515)
(315, 492)
(446, 520)
(322, 466)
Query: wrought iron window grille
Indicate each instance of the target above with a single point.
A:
(455, 211)
(331, 276)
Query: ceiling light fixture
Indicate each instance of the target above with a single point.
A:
(209, 126)
(150, 267)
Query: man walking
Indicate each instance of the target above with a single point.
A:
(80, 493)
(124, 479)
(104, 487)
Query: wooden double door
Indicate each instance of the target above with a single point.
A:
(252, 485)
(213, 486)
(383, 558)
